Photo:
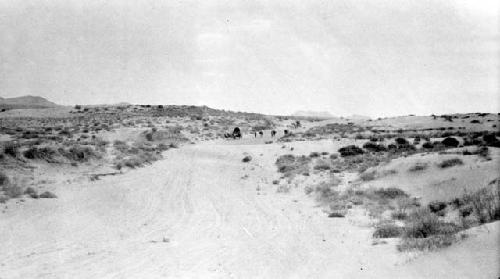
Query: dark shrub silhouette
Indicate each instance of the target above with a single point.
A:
(491, 140)
(350, 150)
(371, 146)
(450, 142)
(401, 141)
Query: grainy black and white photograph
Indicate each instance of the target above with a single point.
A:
(249, 139)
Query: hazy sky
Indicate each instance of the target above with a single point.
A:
(346, 57)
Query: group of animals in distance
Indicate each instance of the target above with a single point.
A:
(236, 134)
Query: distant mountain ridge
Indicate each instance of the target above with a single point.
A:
(308, 113)
(26, 102)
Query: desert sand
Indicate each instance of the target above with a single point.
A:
(203, 213)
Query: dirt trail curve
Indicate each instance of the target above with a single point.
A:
(193, 215)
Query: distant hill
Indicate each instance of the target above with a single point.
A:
(319, 114)
(26, 102)
(358, 117)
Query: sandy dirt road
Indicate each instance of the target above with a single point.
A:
(199, 213)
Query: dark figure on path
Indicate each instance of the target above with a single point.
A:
(261, 133)
(273, 133)
(236, 133)
(255, 134)
(286, 132)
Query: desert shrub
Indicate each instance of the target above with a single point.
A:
(314, 154)
(132, 163)
(31, 192)
(491, 140)
(149, 136)
(283, 188)
(350, 150)
(425, 244)
(247, 159)
(390, 193)
(450, 142)
(399, 215)
(173, 145)
(43, 153)
(450, 163)
(428, 145)
(120, 146)
(291, 165)
(392, 147)
(387, 230)
(163, 147)
(334, 156)
(337, 214)
(483, 152)
(4, 179)
(308, 190)
(11, 190)
(78, 153)
(322, 165)
(485, 203)
(326, 192)
(47, 195)
(422, 223)
(402, 141)
(11, 149)
(418, 167)
(3, 198)
(373, 147)
(367, 175)
(466, 210)
(437, 207)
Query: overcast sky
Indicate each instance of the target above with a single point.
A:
(368, 57)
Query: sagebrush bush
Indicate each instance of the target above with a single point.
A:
(373, 147)
(426, 244)
(450, 142)
(450, 163)
(78, 153)
(350, 150)
(387, 230)
(428, 145)
(247, 159)
(11, 190)
(314, 154)
(390, 193)
(422, 223)
(42, 153)
(437, 206)
(367, 175)
(322, 165)
(47, 195)
(491, 140)
(418, 167)
(11, 149)
(31, 192)
(4, 179)
(402, 141)
(484, 203)
(290, 165)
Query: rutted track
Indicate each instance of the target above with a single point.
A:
(191, 215)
